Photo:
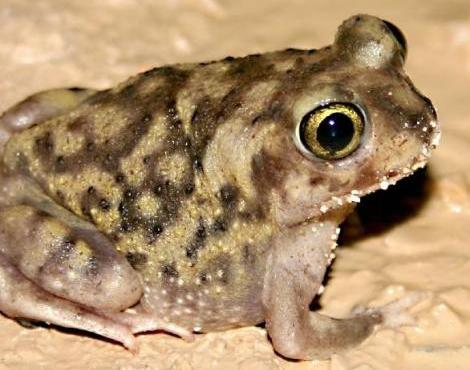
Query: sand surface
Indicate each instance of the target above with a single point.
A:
(411, 239)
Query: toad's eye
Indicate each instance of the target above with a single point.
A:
(332, 131)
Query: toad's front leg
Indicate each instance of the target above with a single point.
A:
(296, 266)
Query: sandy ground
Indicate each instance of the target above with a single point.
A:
(391, 250)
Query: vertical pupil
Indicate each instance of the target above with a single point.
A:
(335, 132)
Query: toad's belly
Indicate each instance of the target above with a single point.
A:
(210, 301)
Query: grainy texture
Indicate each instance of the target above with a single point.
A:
(224, 12)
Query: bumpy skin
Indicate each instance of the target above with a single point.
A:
(183, 193)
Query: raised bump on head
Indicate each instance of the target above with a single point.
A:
(371, 42)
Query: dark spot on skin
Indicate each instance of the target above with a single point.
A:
(198, 241)
(229, 195)
(130, 221)
(313, 181)
(253, 213)
(147, 117)
(78, 123)
(60, 195)
(256, 120)
(247, 255)
(129, 194)
(392, 173)
(189, 188)
(120, 178)
(203, 277)
(136, 259)
(187, 143)
(92, 266)
(157, 229)
(267, 170)
(169, 270)
(219, 225)
(91, 190)
(44, 145)
(197, 164)
(146, 159)
(104, 204)
(68, 245)
(229, 59)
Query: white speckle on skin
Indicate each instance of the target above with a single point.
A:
(331, 257)
(384, 184)
(197, 328)
(180, 282)
(164, 292)
(338, 200)
(324, 208)
(189, 297)
(436, 139)
(354, 198)
(179, 301)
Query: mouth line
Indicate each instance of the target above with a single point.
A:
(354, 196)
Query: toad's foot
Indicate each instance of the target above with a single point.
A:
(394, 314)
(141, 322)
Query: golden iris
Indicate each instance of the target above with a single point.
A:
(332, 131)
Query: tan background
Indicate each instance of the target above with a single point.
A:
(96, 43)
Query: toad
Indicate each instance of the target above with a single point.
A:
(201, 197)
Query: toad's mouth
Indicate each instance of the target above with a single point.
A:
(338, 207)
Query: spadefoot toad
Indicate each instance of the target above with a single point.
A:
(201, 197)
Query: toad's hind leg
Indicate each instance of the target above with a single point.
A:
(297, 263)
(40, 107)
(59, 269)
(21, 298)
